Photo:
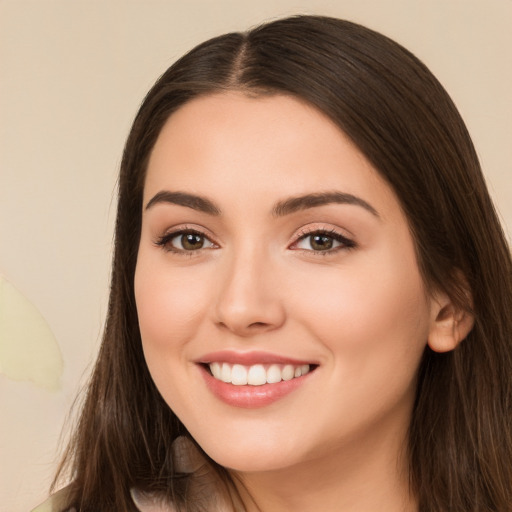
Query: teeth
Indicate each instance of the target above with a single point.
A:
(256, 375)
(288, 372)
(225, 373)
(216, 370)
(274, 374)
(239, 375)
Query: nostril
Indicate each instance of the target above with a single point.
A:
(258, 324)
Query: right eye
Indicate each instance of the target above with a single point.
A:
(185, 241)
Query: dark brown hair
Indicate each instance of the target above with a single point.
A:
(400, 117)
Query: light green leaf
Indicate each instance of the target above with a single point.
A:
(28, 348)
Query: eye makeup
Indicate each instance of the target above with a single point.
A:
(187, 240)
(321, 241)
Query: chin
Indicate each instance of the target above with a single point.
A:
(251, 462)
(252, 453)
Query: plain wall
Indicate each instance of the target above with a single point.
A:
(72, 74)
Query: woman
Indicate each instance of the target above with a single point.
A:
(310, 293)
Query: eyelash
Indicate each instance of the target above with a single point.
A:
(165, 241)
(345, 243)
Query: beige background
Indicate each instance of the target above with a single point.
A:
(72, 75)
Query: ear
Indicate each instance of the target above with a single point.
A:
(449, 324)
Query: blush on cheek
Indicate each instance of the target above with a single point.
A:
(381, 314)
(168, 303)
(164, 319)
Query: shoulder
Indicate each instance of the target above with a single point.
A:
(54, 503)
(146, 502)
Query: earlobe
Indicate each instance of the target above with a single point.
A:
(450, 324)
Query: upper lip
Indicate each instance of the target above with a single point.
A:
(249, 358)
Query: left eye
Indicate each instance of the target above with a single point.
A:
(186, 241)
(322, 242)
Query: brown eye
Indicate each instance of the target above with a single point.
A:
(185, 241)
(190, 241)
(321, 242)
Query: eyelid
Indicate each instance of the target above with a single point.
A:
(163, 241)
(304, 232)
(330, 231)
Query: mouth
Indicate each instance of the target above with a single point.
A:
(253, 380)
(256, 374)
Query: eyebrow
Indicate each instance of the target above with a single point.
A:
(183, 199)
(294, 204)
(280, 209)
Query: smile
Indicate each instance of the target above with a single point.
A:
(257, 374)
(253, 379)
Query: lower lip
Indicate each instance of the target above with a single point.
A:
(251, 397)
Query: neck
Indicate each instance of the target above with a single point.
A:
(362, 474)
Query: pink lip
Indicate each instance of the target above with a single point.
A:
(249, 358)
(250, 397)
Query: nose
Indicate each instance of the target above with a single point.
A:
(249, 301)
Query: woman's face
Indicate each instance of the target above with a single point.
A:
(273, 253)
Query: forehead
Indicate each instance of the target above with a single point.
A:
(228, 143)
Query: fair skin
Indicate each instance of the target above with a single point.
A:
(240, 276)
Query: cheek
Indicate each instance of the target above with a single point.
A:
(370, 317)
(169, 306)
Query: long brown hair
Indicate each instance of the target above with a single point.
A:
(400, 117)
